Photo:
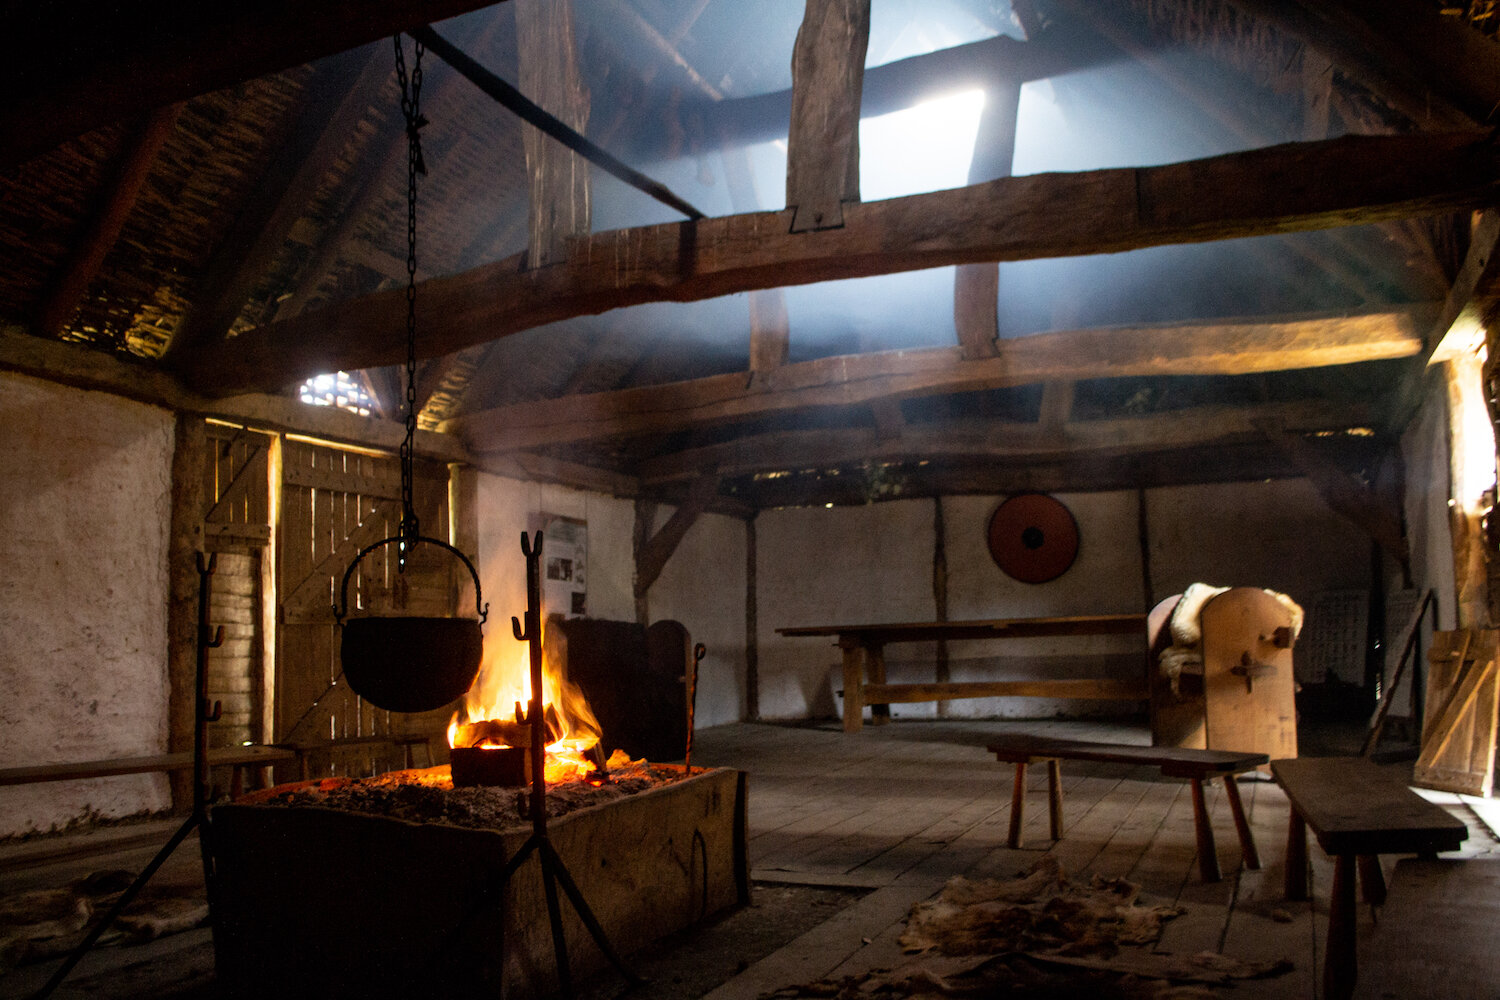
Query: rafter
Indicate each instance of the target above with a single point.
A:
(1299, 186)
(980, 440)
(1198, 349)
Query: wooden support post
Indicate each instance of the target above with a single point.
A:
(976, 287)
(190, 448)
(752, 626)
(941, 671)
(560, 193)
(828, 66)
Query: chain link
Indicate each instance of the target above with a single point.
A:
(411, 93)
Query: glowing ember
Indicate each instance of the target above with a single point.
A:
(494, 710)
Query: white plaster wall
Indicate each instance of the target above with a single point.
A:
(703, 586)
(828, 566)
(508, 507)
(85, 506)
(1105, 578)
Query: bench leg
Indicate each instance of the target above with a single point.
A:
(1208, 854)
(1371, 879)
(1017, 806)
(1242, 826)
(1295, 885)
(1054, 797)
(854, 688)
(1339, 965)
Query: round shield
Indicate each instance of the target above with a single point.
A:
(1033, 538)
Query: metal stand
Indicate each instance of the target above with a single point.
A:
(554, 871)
(203, 714)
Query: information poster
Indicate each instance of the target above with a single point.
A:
(565, 551)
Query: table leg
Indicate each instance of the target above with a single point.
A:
(1371, 879)
(1339, 963)
(854, 686)
(1054, 797)
(1242, 826)
(1017, 805)
(875, 674)
(1208, 854)
(1295, 886)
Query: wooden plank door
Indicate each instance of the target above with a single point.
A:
(334, 503)
(237, 532)
(1458, 733)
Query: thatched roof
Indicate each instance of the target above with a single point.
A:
(283, 195)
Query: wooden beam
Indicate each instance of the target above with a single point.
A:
(543, 469)
(85, 367)
(72, 74)
(88, 252)
(1008, 441)
(337, 98)
(828, 66)
(559, 177)
(1299, 186)
(1197, 349)
(1473, 295)
(904, 83)
(651, 558)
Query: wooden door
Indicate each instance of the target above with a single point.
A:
(334, 503)
(237, 532)
(1248, 688)
(1458, 732)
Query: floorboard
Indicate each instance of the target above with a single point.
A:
(896, 811)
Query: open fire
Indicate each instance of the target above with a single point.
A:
(493, 717)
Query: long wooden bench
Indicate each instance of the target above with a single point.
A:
(1358, 811)
(1197, 766)
(240, 758)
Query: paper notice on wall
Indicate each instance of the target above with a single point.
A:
(565, 550)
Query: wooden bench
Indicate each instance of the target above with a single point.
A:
(306, 750)
(1358, 811)
(239, 758)
(1197, 766)
(1435, 938)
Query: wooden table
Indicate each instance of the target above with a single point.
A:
(1358, 811)
(864, 661)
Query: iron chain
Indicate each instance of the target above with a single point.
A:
(411, 93)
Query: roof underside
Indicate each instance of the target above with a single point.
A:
(283, 195)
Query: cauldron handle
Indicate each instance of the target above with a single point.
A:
(342, 608)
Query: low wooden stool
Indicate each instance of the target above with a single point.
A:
(1196, 766)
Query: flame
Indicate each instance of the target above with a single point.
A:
(493, 711)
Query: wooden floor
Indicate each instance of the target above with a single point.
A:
(901, 808)
(897, 810)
